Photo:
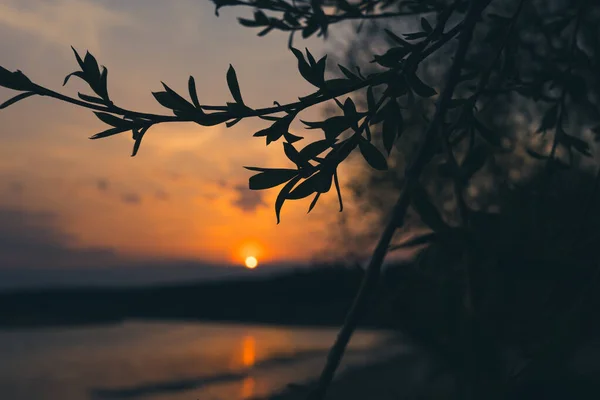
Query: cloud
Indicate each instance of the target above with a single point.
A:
(60, 21)
(31, 240)
(16, 187)
(131, 198)
(102, 185)
(247, 200)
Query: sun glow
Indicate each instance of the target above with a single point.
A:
(251, 262)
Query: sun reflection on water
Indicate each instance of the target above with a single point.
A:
(248, 360)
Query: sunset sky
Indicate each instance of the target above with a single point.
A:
(66, 201)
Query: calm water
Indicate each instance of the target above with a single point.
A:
(160, 361)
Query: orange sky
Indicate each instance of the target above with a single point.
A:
(185, 195)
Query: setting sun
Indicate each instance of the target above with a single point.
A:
(251, 262)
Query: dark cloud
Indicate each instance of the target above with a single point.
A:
(32, 240)
(247, 200)
(131, 198)
(103, 185)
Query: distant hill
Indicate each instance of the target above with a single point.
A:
(308, 296)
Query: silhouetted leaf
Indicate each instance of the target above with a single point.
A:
(536, 155)
(332, 127)
(372, 155)
(304, 68)
(78, 74)
(78, 58)
(419, 87)
(392, 125)
(350, 113)
(549, 119)
(277, 130)
(233, 84)
(427, 211)
(349, 74)
(193, 93)
(91, 69)
(271, 177)
(426, 25)
(315, 148)
(282, 196)
(313, 202)
(16, 99)
(338, 190)
(91, 99)
(138, 135)
(113, 120)
(14, 80)
(392, 57)
(291, 138)
(474, 161)
(371, 101)
(109, 132)
(397, 39)
(319, 182)
(294, 156)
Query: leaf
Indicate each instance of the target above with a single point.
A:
(91, 69)
(371, 104)
(14, 80)
(332, 127)
(233, 84)
(137, 136)
(91, 99)
(167, 100)
(178, 100)
(277, 129)
(78, 74)
(78, 58)
(536, 155)
(314, 202)
(426, 25)
(304, 68)
(282, 196)
(349, 74)
(311, 59)
(102, 89)
(315, 148)
(392, 57)
(109, 132)
(549, 119)
(372, 155)
(474, 161)
(291, 138)
(350, 113)
(397, 39)
(427, 211)
(113, 120)
(271, 177)
(193, 92)
(337, 189)
(309, 30)
(392, 125)
(294, 156)
(15, 99)
(319, 182)
(419, 87)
